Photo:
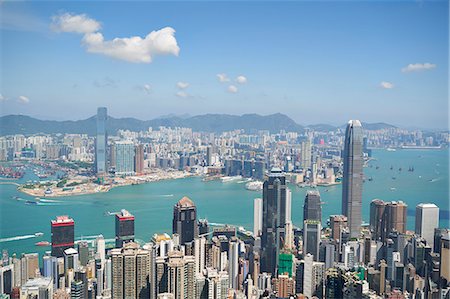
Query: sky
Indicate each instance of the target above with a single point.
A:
(317, 62)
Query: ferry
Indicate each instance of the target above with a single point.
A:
(390, 149)
(227, 179)
(39, 234)
(43, 243)
(254, 186)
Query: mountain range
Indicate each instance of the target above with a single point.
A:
(21, 124)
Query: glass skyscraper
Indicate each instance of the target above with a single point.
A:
(124, 154)
(100, 142)
(352, 182)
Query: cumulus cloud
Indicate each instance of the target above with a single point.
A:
(68, 22)
(147, 88)
(182, 94)
(386, 85)
(134, 49)
(23, 99)
(241, 79)
(223, 78)
(416, 67)
(182, 85)
(232, 89)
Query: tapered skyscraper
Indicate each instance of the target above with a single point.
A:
(352, 181)
(100, 142)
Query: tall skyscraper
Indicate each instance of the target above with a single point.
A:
(181, 275)
(63, 234)
(387, 217)
(185, 220)
(276, 213)
(352, 182)
(337, 224)
(311, 238)
(312, 209)
(100, 142)
(124, 228)
(427, 219)
(139, 159)
(257, 217)
(130, 270)
(124, 157)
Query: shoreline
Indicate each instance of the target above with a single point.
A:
(86, 188)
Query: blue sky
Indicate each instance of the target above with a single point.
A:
(318, 62)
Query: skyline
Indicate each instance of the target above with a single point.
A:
(320, 62)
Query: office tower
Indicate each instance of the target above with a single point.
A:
(313, 277)
(209, 155)
(275, 210)
(377, 223)
(311, 238)
(50, 269)
(352, 180)
(427, 219)
(124, 228)
(181, 275)
(71, 260)
(37, 288)
(63, 234)
(445, 257)
(83, 251)
(257, 217)
(100, 142)
(29, 266)
(312, 209)
(100, 250)
(387, 217)
(130, 271)
(203, 227)
(337, 224)
(6, 279)
(185, 220)
(305, 151)
(124, 157)
(233, 263)
(200, 254)
(139, 159)
(76, 289)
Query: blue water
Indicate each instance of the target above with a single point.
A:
(218, 202)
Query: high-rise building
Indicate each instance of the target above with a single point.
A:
(181, 275)
(185, 220)
(124, 228)
(130, 271)
(276, 213)
(337, 224)
(313, 277)
(445, 257)
(139, 159)
(427, 219)
(305, 149)
(233, 263)
(387, 217)
(284, 286)
(311, 238)
(377, 223)
(100, 142)
(352, 180)
(63, 234)
(312, 209)
(124, 157)
(257, 217)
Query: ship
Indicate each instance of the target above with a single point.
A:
(43, 243)
(226, 179)
(390, 149)
(254, 186)
(39, 234)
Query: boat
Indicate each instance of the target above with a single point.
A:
(254, 186)
(400, 169)
(391, 167)
(390, 149)
(43, 243)
(370, 179)
(393, 189)
(39, 234)
(226, 179)
(31, 202)
(377, 167)
(393, 177)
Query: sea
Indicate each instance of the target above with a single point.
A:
(218, 202)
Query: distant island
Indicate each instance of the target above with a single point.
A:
(217, 123)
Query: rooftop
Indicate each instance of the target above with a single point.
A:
(185, 202)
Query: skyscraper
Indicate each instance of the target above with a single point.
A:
(63, 234)
(275, 215)
(311, 238)
(139, 159)
(427, 219)
(387, 217)
(185, 220)
(100, 142)
(257, 217)
(124, 157)
(312, 209)
(352, 182)
(124, 228)
(181, 275)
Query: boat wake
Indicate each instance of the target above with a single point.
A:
(17, 238)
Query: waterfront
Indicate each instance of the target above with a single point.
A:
(219, 202)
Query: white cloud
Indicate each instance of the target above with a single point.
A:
(182, 85)
(223, 78)
(241, 79)
(147, 88)
(232, 89)
(182, 94)
(68, 22)
(386, 85)
(132, 49)
(416, 67)
(23, 99)
(2, 98)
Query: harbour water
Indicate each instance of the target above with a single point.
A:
(219, 202)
